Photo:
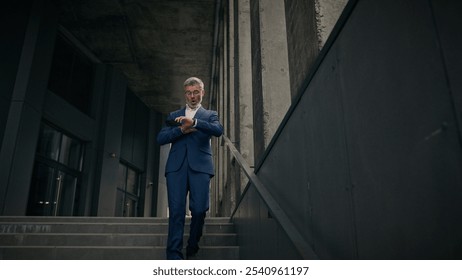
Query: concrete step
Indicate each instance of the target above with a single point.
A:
(103, 227)
(96, 239)
(109, 238)
(109, 253)
(79, 219)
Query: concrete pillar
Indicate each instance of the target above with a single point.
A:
(230, 128)
(218, 182)
(327, 15)
(244, 83)
(37, 26)
(222, 105)
(223, 114)
(112, 138)
(274, 66)
(162, 200)
(152, 167)
(302, 41)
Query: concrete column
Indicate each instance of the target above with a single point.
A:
(152, 167)
(222, 105)
(223, 113)
(230, 129)
(37, 25)
(327, 15)
(274, 66)
(244, 83)
(162, 200)
(112, 138)
(218, 182)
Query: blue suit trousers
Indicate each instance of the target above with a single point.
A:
(179, 183)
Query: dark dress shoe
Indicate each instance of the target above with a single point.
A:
(191, 252)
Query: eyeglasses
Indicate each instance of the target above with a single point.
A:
(196, 92)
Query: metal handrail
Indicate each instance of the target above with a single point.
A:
(305, 249)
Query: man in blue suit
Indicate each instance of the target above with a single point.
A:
(189, 167)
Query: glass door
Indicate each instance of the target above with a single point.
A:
(52, 193)
(42, 188)
(127, 192)
(55, 181)
(65, 196)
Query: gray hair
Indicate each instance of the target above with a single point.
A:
(192, 81)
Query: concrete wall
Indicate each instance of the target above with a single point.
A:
(302, 41)
(367, 161)
(327, 14)
(243, 79)
(270, 69)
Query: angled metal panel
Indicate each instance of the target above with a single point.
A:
(402, 136)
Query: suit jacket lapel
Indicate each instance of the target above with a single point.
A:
(200, 112)
(181, 112)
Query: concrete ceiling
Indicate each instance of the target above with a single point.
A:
(157, 44)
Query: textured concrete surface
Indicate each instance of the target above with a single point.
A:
(157, 44)
(327, 14)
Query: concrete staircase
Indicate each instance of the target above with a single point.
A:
(106, 238)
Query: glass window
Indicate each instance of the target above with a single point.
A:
(49, 143)
(71, 75)
(121, 176)
(127, 191)
(130, 207)
(132, 182)
(70, 153)
(65, 196)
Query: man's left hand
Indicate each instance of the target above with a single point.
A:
(185, 121)
(186, 124)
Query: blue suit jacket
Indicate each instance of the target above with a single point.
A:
(195, 145)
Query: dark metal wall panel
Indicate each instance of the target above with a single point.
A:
(134, 135)
(13, 23)
(312, 178)
(126, 149)
(260, 236)
(367, 163)
(447, 21)
(66, 116)
(401, 131)
(140, 136)
(111, 136)
(21, 128)
(330, 185)
(152, 165)
(285, 173)
(22, 160)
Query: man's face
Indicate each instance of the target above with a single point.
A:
(193, 95)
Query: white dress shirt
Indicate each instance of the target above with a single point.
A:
(191, 112)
